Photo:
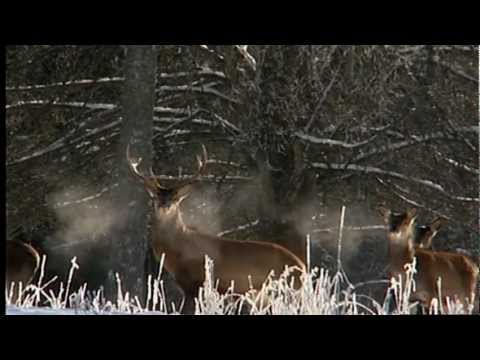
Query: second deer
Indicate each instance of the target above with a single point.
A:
(22, 264)
(457, 272)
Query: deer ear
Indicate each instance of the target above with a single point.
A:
(383, 212)
(411, 212)
(182, 193)
(150, 187)
(437, 223)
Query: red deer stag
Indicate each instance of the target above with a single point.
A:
(185, 248)
(22, 264)
(457, 272)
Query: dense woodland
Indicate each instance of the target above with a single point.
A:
(293, 133)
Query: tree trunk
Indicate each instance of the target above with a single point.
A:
(129, 239)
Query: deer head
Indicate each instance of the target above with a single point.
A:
(458, 273)
(165, 200)
(424, 234)
(400, 225)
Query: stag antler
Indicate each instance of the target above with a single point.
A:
(134, 164)
(202, 166)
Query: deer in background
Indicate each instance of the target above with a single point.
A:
(286, 201)
(424, 234)
(457, 272)
(247, 263)
(22, 264)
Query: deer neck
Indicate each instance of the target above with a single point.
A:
(400, 251)
(168, 228)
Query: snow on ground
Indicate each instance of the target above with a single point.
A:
(15, 310)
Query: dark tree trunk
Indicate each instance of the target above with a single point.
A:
(129, 240)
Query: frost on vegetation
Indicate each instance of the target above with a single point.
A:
(319, 293)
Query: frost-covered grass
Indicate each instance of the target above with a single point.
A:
(320, 293)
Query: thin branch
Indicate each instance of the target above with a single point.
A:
(330, 142)
(321, 101)
(94, 106)
(176, 121)
(66, 83)
(415, 140)
(239, 228)
(455, 70)
(351, 228)
(378, 171)
(389, 184)
(204, 89)
(457, 164)
(115, 79)
(63, 142)
(85, 199)
(206, 178)
(73, 104)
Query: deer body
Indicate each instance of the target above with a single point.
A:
(457, 272)
(246, 263)
(458, 276)
(22, 263)
(233, 260)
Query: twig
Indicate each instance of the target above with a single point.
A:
(340, 235)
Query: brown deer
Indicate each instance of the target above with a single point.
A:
(424, 234)
(457, 272)
(22, 264)
(247, 263)
(287, 196)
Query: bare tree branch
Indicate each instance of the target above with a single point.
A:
(115, 79)
(239, 228)
(375, 170)
(455, 70)
(331, 142)
(415, 141)
(60, 143)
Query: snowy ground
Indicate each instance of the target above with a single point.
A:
(15, 310)
(319, 294)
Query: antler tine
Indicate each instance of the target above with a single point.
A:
(133, 164)
(154, 177)
(134, 167)
(202, 162)
(202, 165)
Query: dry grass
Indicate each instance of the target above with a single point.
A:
(319, 294)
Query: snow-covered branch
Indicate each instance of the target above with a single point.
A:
(209, 178)
(350, 228)
(455, 70)
(457, 164)
(415, 139)
(331, 142)
(84, 199)
(115, 79)
(94, 106)
(60, 143)
(390, 184)
(204, 89)
(378, 171)
(72, 104)
(239, 228)
(66, 83)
